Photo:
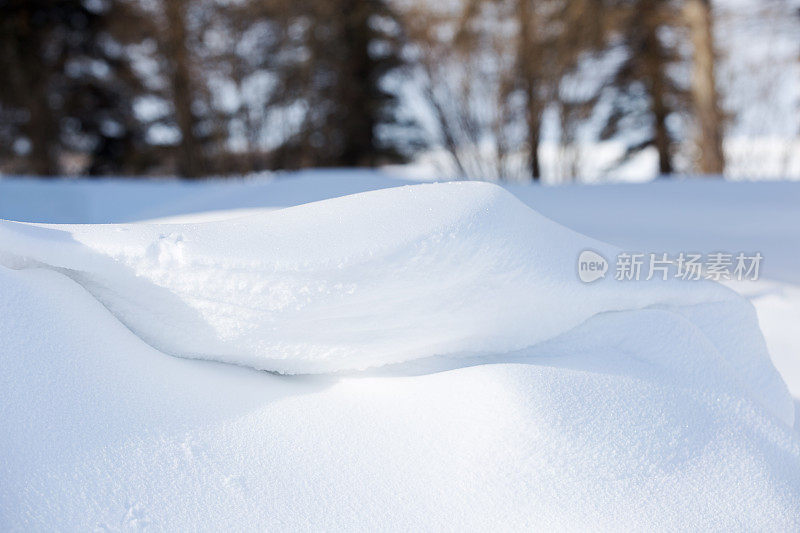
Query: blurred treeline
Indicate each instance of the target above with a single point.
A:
(214, 87)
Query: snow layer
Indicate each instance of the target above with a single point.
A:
(518, 397)
(608, 431)
(346, 284)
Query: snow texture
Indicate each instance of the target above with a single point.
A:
(455, 374)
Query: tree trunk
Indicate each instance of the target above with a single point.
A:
(654, 58)
(662, 142)
(356, 88)
(43, 134)
(27, 76)
(661, 136)
(534, 128)
(526, 52)
(189, 156)
(704, 92)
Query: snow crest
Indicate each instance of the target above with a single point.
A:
(377, 278)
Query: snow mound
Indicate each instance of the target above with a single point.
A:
(360, 281)
(503, 392)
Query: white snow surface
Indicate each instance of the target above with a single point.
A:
(449, 371)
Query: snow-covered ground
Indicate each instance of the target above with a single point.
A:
(433, 359)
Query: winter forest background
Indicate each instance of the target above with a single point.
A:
(489, 89)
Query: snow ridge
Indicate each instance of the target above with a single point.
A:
(361, 281)
(500, 389)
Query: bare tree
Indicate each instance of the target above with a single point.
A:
(344, 52)
(642, 94)
(492, 69)
(182, 91)
(705, 99)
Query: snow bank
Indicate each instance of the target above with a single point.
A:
(360, 281)
(503, 391)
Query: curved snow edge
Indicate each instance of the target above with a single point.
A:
(368, 280)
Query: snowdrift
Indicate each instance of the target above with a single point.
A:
(500, 389)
